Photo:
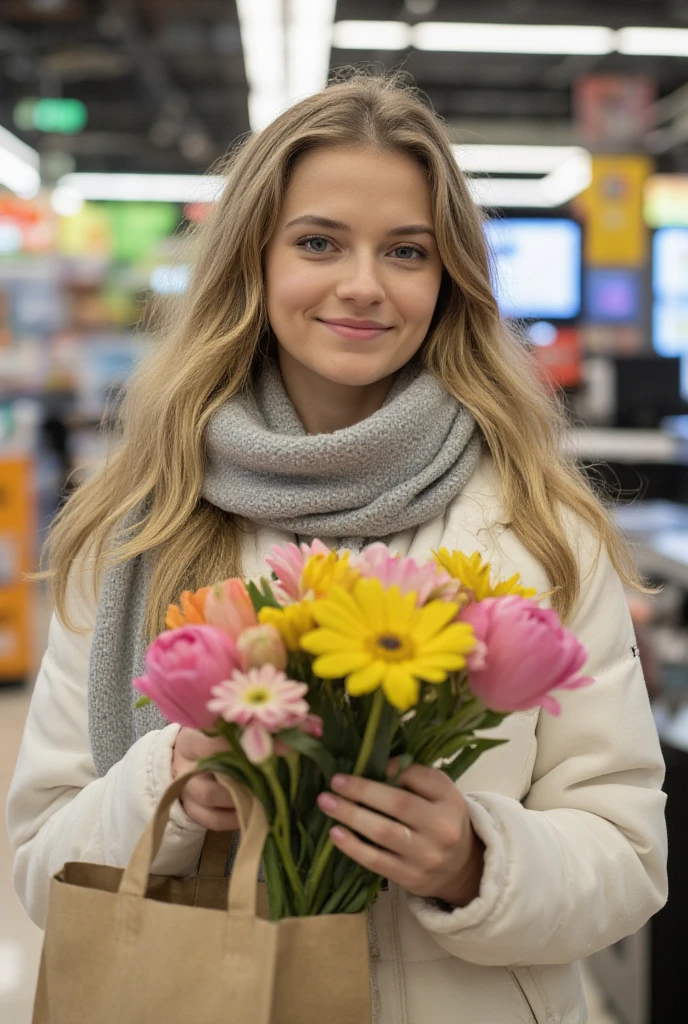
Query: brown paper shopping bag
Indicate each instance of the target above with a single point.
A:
(123, 947)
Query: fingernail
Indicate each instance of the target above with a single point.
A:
(339, 781)
(338, 834)
(327, 802)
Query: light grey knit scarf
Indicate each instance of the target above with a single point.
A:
(394, 470)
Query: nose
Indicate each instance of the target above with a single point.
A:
(360, 282)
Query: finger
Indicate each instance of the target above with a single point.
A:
(379, 829)
(206, 746)
(428, 783)
(214, 821)
(396, 803)
(204, 790)
(381, 862)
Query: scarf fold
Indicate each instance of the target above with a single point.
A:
(398, 468)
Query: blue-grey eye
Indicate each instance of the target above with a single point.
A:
(321, 244)
(407, 251)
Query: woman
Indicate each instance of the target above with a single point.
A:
(339, 368)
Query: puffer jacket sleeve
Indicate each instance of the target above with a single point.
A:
(58, 808)
(581, 862)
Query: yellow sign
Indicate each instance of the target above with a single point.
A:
(615, 232)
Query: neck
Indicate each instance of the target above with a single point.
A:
(325, 406)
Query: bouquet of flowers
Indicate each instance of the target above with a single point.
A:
(338, 663)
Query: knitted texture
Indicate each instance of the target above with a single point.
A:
(396, 469)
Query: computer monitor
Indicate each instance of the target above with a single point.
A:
(536, 267)
(648, 388)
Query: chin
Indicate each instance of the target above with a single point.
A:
(356, 369)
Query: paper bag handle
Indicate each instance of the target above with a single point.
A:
(243, 889)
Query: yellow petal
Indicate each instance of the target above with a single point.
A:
(431, 619)
(401, 611)
(321, 641)
(370, 596)
(401, 689)
(366, 679)
(336, 666)
(338, 616)
(459, 638)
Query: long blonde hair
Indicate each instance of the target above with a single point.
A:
(210, 343)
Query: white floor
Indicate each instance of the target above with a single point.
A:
(20, 940)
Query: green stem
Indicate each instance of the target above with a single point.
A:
(344, 891)
(282, 834)
(364, 753)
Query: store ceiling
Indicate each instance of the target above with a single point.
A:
(166, 89)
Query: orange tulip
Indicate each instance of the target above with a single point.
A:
(191, 612)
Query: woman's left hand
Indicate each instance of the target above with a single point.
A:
(423, 837)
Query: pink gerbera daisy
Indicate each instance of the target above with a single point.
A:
(428, 581)
(263, 701)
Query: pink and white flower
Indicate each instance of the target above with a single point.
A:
(288, 562)
(428, 581)
(263, 701)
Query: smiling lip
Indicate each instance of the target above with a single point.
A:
(361, 329)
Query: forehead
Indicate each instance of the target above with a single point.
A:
(357, 183)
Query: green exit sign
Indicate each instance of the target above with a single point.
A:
(64, 116)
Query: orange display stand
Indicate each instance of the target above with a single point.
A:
(18, 521)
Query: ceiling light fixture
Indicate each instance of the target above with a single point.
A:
(568, 172)
(488, 159)
(161, 188)
(653, 42)
(263, 42)
(309, 43)
(475, 37)
(19, 166)
(486, 38)
(371, 35)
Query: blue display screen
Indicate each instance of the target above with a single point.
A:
(537, 267)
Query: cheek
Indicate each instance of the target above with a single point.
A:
(417, 299)
(291, 288)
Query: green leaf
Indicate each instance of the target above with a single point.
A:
(468, 757)
(142, 702)
(491, 719)
(311, 748)
(379, 757)
(307, 850)
(263, 598)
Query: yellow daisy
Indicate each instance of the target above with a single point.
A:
(323, 572)
(291, 622)
(374, 637)
(474, 575)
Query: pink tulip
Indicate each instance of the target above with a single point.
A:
(261, 645)
(182, 667)
(228, 607)
(527, 654)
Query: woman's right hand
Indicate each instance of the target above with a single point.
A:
(203, 798)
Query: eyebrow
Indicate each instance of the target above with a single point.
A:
(338, 225)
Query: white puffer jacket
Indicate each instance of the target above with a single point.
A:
(570, 810)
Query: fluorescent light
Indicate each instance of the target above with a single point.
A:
(473, 37)
(309, 42)
(487, 159)
(486, 38)
(562, 184)
(66, 201)
(162, 188)
(19, 166)
(568, 180)
(263, 41)
(655, 42)
(371, 35)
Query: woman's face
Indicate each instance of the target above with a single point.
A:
(352, 270)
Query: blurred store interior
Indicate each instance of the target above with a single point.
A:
(571, 120)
